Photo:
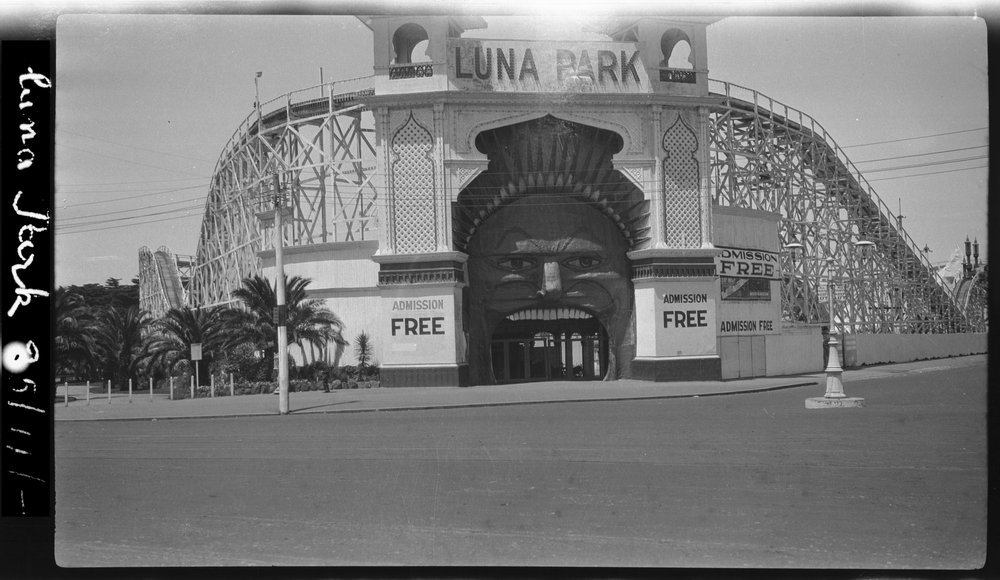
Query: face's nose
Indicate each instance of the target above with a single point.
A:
(551, 286)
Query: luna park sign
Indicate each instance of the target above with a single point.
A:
(521, 66)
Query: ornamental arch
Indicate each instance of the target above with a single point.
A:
(410, 43)
(676, 49)
(546, 229)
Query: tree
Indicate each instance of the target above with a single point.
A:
(98, 298)
(121, 343)
(308, 321)
(173, 335)
(363, 351)
(313, 323)
(75, 337)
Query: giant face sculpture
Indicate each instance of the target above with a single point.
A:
(548, 252)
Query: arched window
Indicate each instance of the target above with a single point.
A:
(676, 49)
(681, 56)
(419, 52)
(410, 44)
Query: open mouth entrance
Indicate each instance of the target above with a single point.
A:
(549, 344)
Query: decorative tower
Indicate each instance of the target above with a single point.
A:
(676, 290)
(422, 339)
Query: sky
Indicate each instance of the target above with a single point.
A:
(146, 104)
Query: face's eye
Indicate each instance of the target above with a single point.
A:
(515, 263)
(582, 262)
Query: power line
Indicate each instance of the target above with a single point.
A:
(135, 147)
(197, 199)
(923, 154)
(123, 159)
(137, 190)
(127, 182)
(133, 196)
(927, 164)
(169, 211)
(61, 232)
(914, 138)
(931, 173)
(483, 194)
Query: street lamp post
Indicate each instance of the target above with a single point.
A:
(834, 396)
(834, 386)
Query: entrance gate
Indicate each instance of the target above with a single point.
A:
(551, 350)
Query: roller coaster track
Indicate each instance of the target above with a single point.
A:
(161, 281)
(768, 156)
(972, 294)
(763, 155)
(323, 151)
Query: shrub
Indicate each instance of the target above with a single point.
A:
(363, 350)
(313, 371)
(299, 385)
(369, 373)
(242, 361)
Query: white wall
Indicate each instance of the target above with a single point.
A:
(333, 265)
(344, 276)
(745, 228)
(868, 349)
(798, 349)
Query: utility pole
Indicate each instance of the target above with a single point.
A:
(280, 314)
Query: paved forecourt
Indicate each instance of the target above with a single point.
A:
(742, 480)
(358, 400)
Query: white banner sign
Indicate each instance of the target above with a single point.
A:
(742, 263)
(418, 330)
(686, 319)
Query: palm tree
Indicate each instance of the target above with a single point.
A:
(307, 322)
(170, 345)
(314, 324)
(76, 329)
(121, 340)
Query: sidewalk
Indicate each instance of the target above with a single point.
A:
(360, 400)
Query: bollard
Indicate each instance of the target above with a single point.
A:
(109, 391)
(192, 387)
(66, 392)
(171, 388)
(232, 391)
(130, 390)
(211, 388)
(150, 389)
(88, 393)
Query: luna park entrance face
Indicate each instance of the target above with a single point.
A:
(529, 347)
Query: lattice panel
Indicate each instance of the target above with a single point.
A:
(767, 156)
(322, 151)
(681, 199)
(414, 223)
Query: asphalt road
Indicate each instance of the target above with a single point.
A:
(740, 480)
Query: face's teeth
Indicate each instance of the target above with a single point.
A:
(548, 314)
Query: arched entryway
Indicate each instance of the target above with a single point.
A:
(547, 228)
(548, 344)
